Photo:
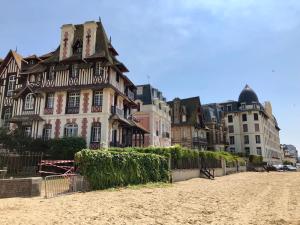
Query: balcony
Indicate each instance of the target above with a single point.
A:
(116, 111)
(96, 108)
(72, 110)
(130, 94)
(199, 140)
(48, 111)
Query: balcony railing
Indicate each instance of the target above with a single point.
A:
(130, 95)
(48, 111)
(116, 111)
(72, 110)
(199, 140)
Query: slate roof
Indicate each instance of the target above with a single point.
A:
(192, 109)
(248, 96)
(211, 111)
(148, 94)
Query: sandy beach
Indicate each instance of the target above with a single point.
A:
(245, 198)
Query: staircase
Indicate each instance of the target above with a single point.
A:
(206, 172)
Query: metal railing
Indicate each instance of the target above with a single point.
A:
(56, 185)
(116, 111)
(20, 164)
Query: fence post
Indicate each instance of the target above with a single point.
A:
(223, 162)
(170, 167)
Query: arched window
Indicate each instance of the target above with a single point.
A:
(96, 133)
(32, 78)
(29, 102)
(71, 130)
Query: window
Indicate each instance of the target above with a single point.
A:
(96, 132)
(6, 117)
(29, 102)
(230, 119)
(27, 131)
(11, 85)
(139, 90)
(73, 100)
(118, 77)
(99, 70)
(255, 116)
(246, 139)
(232, 150)
(244, 117)
(256, 127)
(47, 132)
(229, 108)
(231, 140)
(71, 130)
(245, 127)
(74, 71)
(32, 78)
(51, 73)
(230, 129)
(243, 106)
(257, 139)
(77, 48)
(247, 151)
(49, 101)
(98, 98)
(258, 151)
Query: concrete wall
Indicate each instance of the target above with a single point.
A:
(185, 174)
(20, 187)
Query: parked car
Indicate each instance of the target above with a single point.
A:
(289, 168)
(278, 167)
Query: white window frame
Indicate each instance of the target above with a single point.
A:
(11, 85)
(50, 101)
(47, 133)
(7, 115)
(73, 100)
(71, 130)
(96, 133)
(98, 98)
(27, 131)
(75, 71)
(99, 70)
(29, 102)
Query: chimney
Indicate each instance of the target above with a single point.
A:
(66, 41)
(89, 38)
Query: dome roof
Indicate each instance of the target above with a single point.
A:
(248, 96)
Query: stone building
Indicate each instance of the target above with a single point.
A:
(188, 127)
(252, 128)
(153, 114)
(79, 89)
(214, 121)
(290, 153)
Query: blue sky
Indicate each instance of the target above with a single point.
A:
(206, 48)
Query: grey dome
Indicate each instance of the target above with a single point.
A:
(248, 96)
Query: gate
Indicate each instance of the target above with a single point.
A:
(56, 185)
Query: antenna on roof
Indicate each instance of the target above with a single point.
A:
(148, 77)
(99, 19)
(109, 39)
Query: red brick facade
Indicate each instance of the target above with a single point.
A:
(57, 128)
(59, 104)
(85, 102)
(84, 127)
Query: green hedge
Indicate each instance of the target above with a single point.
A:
(256, 160)
(65, 148)
(105, 169)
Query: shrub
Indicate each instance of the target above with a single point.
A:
(105, 169)
(65, 148)
(256, 160)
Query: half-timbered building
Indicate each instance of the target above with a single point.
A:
(77, 90)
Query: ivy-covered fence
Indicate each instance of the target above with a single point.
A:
(112, 167)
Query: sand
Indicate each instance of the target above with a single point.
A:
(245, 198)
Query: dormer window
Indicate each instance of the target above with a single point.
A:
(74, 71)
(29, 102)
(77, 47)
(99, 70)
(31, 78)
(118, 77)
(51, 73)
(32, 62)
(11, 85)
(229, 108)
(243, 106)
